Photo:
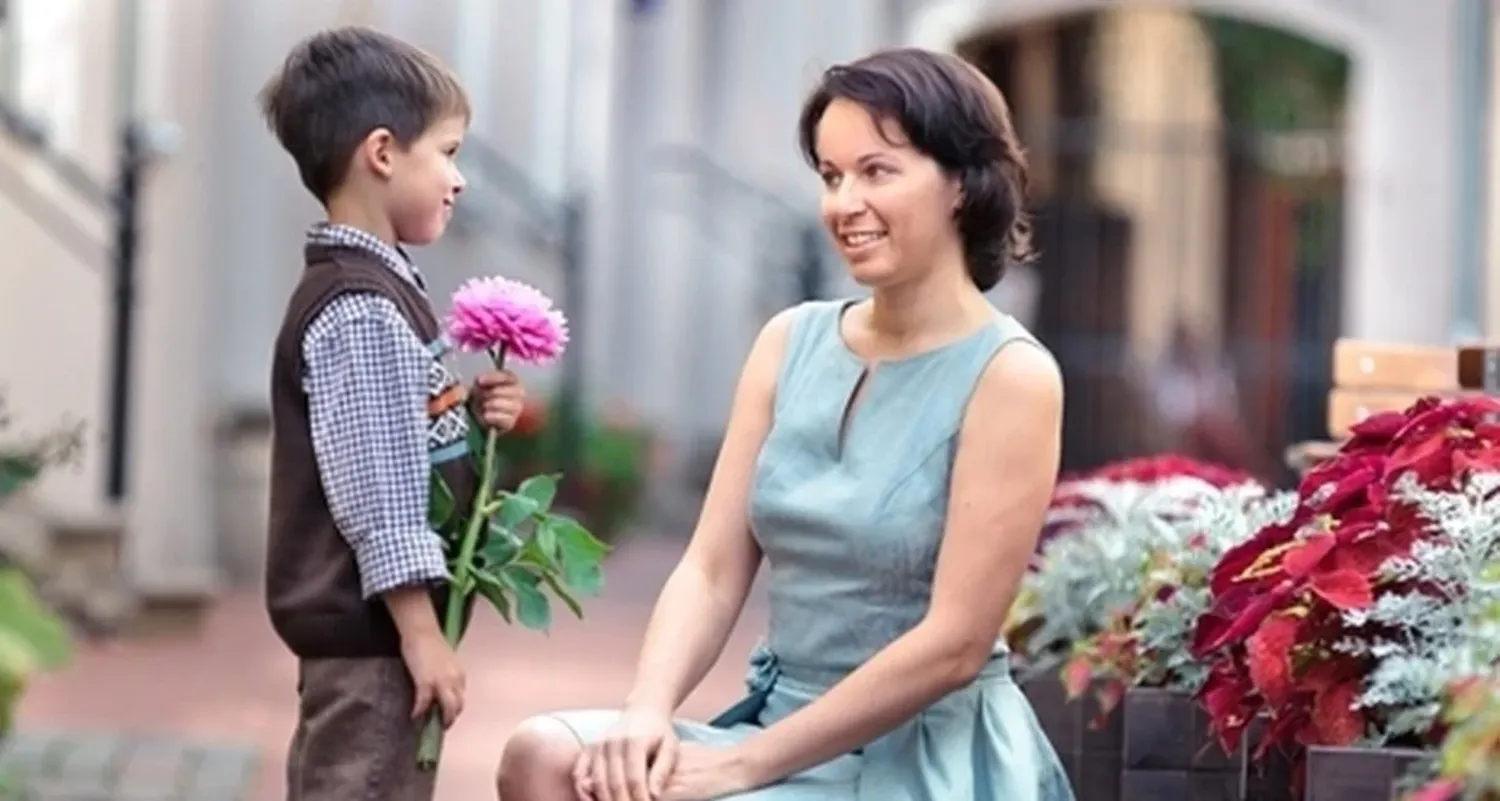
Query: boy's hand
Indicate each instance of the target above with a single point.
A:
(437, 676)
(500, 398)
(435, 672)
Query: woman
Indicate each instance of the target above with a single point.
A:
(892, 459)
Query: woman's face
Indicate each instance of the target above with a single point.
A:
(889, 207)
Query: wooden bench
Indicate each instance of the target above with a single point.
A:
(1374, 377)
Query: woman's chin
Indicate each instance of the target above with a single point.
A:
(871, 275)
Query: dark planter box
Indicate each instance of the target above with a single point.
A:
(1170, 752)
(1089, 751)
(1357, 774)
(1273, 777)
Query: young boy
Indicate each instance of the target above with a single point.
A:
(364, 412)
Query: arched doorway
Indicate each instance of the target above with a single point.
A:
(1189, 204)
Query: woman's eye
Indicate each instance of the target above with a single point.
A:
(830, 179)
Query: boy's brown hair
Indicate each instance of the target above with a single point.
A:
(337, 86)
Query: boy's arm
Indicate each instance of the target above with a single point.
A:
(366, 383)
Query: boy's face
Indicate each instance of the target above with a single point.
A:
(425, 182)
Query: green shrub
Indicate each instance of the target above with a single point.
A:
(32, 637)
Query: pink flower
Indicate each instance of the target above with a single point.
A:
(500, 314)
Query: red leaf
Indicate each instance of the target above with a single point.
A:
(1440, 790)
(1266, 656)
(1323, 675)
(1226, 697)
(1479, 460)
(1351, 482)
(1425, 455)
(1241, 557)
(1076, 676)
(1301, 560)
(1356, 525)
(1367, 555)
(1336, 720)
(1378, 427)
(1216, 630)
(1110, 695)
(1289, 724)
(1344, 589)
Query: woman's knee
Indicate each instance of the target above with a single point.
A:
(538, 760)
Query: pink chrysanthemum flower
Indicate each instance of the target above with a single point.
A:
(509, 316)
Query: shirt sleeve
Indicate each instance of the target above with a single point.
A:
(366, 385)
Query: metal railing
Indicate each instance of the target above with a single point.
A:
(122, 203)
(32, 138)
(793, 249)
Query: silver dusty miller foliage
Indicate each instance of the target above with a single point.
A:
(1439, 626)
(1130, 539)
(1165, 624)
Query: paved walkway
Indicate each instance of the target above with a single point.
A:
(234, 684)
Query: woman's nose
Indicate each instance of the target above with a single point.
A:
(846, 199)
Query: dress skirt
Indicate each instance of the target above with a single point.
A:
(979, 743)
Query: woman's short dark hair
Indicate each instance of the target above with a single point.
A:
(951, 112)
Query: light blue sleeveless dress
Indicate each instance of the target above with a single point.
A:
(851, 530)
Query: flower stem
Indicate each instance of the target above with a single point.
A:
(432, 734)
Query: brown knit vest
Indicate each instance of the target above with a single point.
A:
(312, 584)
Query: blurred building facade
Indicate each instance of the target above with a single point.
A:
(669, 124)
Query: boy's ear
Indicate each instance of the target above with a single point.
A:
(378, 152)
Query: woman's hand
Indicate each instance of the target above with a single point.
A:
(703, 773)
(631, 763)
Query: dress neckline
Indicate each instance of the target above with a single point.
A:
(871, 364)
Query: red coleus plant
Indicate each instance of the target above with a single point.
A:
(1279, 598)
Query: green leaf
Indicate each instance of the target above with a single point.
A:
(546, 540)
(532, 609)
(586, 580)
(515, 509)
(493, 590)
(500, 548)
(16, 471)
(575, 542)
(563, 594)
(440, 503)
(542, 489)
(31, 633)
(532, 554)
(579, 553)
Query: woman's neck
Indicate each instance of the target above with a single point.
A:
(933, 309)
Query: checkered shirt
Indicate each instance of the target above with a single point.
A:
(366, 384)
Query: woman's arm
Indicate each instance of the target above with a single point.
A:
(1003, 475)
(703, 597)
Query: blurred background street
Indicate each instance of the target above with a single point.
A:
(230, 686)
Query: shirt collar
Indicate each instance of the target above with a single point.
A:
(330, 234)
